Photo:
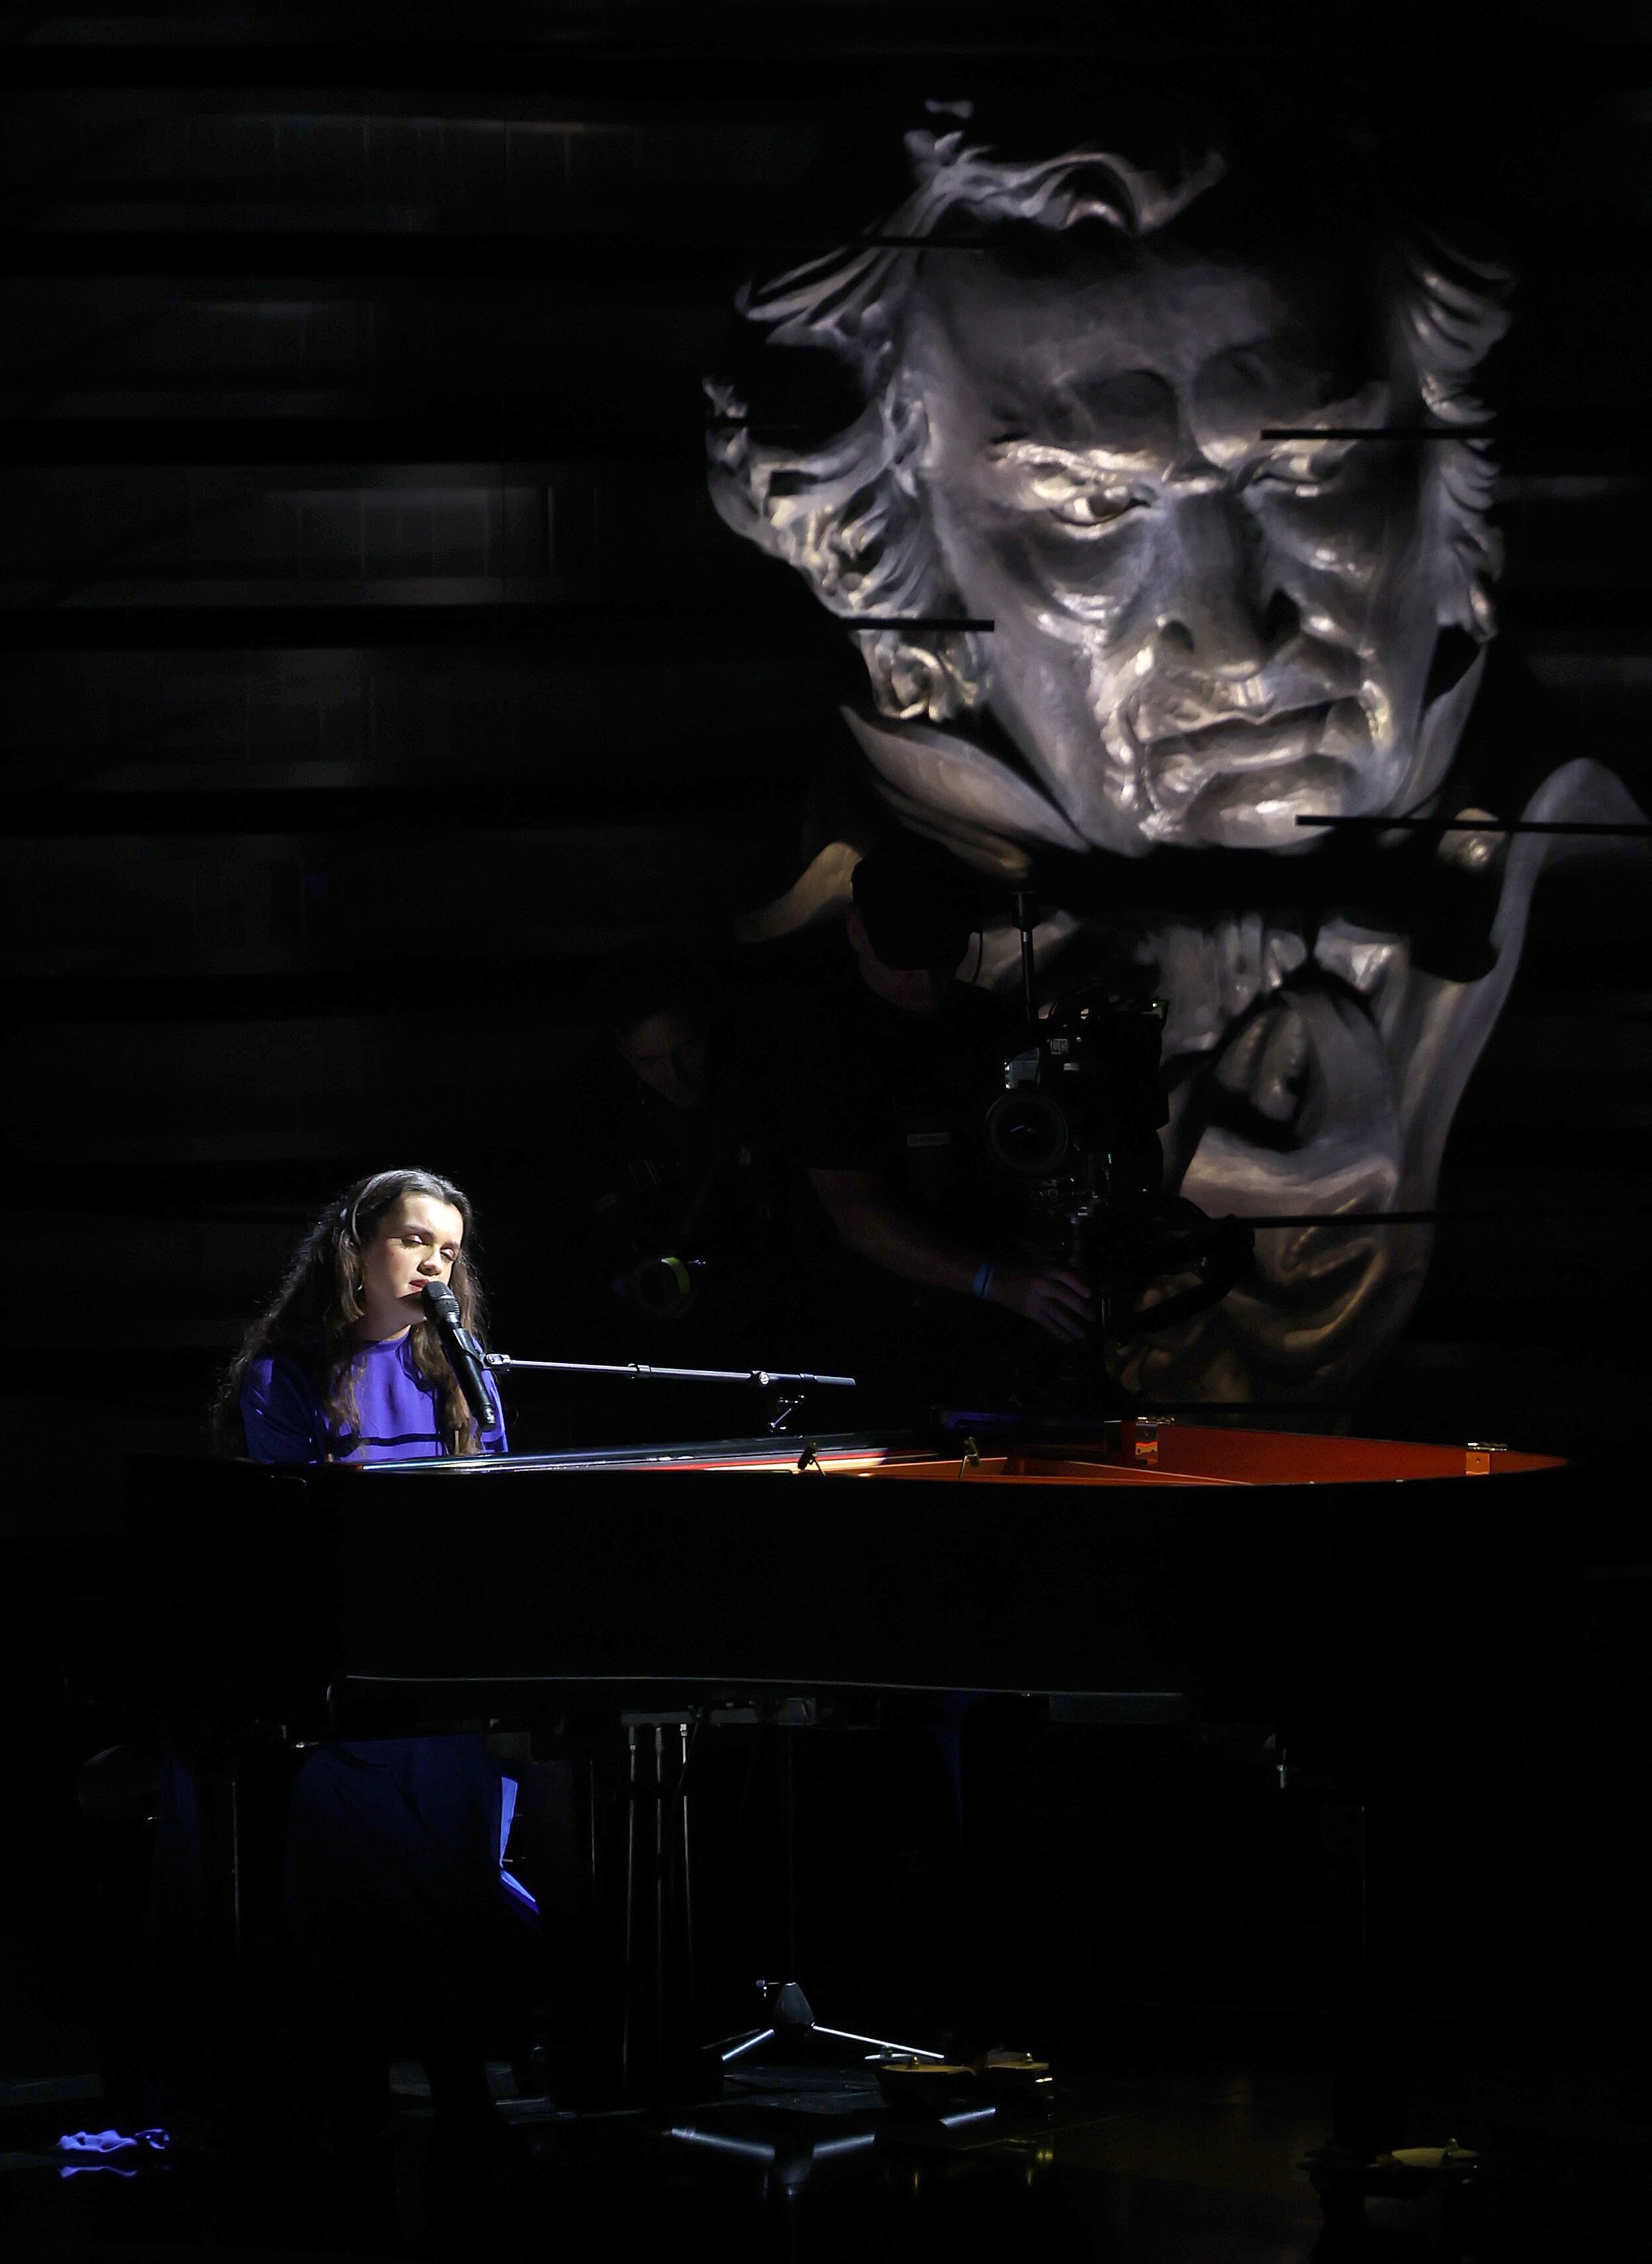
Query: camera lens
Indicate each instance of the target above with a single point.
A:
(1028, 1134)
(662, 1286)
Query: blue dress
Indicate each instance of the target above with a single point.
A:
(397, 1899)
(282, 1414)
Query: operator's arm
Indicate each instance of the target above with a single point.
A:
(871, 1222)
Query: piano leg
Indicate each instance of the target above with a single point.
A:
(659, 1893)
(1370, 2085)
(214, 1917)
(218, 1808)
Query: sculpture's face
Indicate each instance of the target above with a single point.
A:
(1199, 634)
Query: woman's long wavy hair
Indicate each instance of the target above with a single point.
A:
(316, 1310)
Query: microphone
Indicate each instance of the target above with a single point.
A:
(464, 1353)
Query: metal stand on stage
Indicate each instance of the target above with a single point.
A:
(657, 2049)
(789, 2031)
(660, 2053)
(657, 1953)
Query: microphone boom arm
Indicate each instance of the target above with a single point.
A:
(763, 1378)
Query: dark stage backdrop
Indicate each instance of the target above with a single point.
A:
(376, 663)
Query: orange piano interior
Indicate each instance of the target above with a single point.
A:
(1134, 1453)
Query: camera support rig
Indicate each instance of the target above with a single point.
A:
(1074, 1137)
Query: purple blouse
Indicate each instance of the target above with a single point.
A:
(282, 1414)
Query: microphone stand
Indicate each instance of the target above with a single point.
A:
(788, 2020)
(787, 1386)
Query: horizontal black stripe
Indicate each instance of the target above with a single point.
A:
(626, 79)
(248, 1194)
(1616, 623)
(1606, 1334)
(555, 985)
(479, 989)
(1583, 442)
(268, 1190)
(469, 432)
(522, 257)
(345, 626)
(515, 258)
(746, 53)
(481, 806)
(404, 1438)
(401, 1439)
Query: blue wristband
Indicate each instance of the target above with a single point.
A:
(983, 1283)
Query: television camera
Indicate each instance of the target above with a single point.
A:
(1073, 1143)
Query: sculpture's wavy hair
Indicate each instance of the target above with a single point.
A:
(314, 1313)
(849, 514)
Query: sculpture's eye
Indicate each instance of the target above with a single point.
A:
(1288, 480)
(1092, 512)
(1307, 474)
(1074, 489)
(1070, 502)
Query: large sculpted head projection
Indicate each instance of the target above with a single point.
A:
(1198, 632)
(1079, 419)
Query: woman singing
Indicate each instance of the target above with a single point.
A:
(344, 1367)
(399, 1915)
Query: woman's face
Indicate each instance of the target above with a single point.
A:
(418, 1242)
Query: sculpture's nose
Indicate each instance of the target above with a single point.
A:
(1221, 607)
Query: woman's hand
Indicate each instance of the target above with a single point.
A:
(1053, 1296)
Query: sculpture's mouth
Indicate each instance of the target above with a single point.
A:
(1256, 775)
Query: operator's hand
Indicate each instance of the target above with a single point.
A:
(1056, 1298)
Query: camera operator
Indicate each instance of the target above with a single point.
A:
(888, 1086)
(678, 1203)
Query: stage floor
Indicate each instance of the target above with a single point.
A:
(1141, 2162)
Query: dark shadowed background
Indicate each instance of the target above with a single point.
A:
(375, 664)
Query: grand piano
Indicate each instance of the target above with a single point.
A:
(1142, 1571)
(1148, 1563)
